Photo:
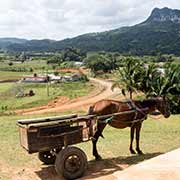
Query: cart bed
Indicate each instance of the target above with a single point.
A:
(44, 134)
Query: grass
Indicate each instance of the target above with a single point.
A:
(38, 66)
(158, 136)
(9, 91)
(8, 75)
(35, 64)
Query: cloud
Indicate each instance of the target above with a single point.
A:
(59, 19)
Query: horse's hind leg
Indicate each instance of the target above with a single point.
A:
(131, 141)
(98, 133)
(138, 130)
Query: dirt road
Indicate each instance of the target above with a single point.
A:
(103, 91)
(156, 166)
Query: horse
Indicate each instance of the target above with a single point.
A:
(133, 120)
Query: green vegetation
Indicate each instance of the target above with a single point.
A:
(9, 92)
(152, 81)
(18, 70)
(158, 136)
(67, 55)
(103, 62)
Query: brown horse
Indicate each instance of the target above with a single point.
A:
(133, 120)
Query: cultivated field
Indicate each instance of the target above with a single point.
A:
(18, 70)
(9, 91)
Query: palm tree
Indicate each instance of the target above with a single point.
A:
(136, 76)
(129, 76)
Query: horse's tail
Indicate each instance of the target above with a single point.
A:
(91, 112)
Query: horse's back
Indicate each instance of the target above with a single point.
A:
(107, 106)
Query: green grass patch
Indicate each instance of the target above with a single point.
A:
(18, 70)
(8, 75)
(9, 92)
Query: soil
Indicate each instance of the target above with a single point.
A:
(97, 170)
(158, 167)
(62, 104)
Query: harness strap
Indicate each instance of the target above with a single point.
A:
(110, 120)
(110, 117)
(136, 108)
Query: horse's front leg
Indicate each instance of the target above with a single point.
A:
(131, 141)
(138, 130)
(98, 133)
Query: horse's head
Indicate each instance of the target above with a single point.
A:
(162, 105)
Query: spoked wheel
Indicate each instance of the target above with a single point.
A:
(48, 157)
(71, 163)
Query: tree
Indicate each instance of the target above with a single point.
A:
(105, 62)
(73, 54)
(10, 63)
(135, 76)
(56, 59)
(129, 75)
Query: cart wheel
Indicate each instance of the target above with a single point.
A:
(47, 157)
(71, 163)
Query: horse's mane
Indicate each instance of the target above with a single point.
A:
(148, 102)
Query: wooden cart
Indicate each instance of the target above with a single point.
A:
(51, 137)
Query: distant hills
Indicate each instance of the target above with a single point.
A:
(5, 42)
(160, 32)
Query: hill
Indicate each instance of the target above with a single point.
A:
(5, 42)
(160, 32)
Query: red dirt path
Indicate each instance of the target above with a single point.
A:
(61, 104)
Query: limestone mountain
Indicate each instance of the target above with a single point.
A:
(160, 32)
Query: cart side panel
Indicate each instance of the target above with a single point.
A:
(37, 144)
(46, 138)
(23, 137)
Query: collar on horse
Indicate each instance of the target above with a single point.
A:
(133, 106)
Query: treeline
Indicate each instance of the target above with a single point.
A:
(68, 55)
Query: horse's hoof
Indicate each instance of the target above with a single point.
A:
(140, 152)
(132, 151)
(98, 158)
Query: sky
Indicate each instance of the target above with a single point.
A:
(60, 19)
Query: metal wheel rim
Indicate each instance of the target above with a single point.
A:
(72, 163)
(48, 155)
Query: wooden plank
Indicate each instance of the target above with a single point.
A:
(62, 122)
(45, 119)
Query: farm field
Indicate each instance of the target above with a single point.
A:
(70, 90)
(18, 70)
(157, 137)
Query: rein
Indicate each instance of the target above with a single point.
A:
(109, 117)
